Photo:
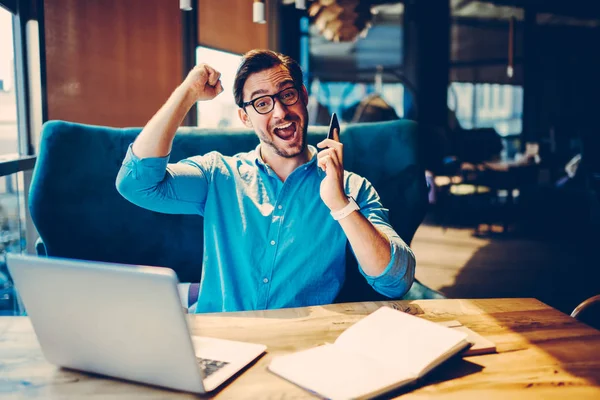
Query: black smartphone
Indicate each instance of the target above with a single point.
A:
(334, 124)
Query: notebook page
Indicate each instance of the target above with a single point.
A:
(481, 345)
(336, 374)
(400, 339)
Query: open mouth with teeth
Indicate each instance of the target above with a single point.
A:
(286, 131)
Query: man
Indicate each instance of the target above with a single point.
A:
(276, 219)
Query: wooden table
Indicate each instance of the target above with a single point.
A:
(542, 354)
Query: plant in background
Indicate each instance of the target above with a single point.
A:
(341, 20)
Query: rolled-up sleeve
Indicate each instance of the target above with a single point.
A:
(156, 185)
(399, 274)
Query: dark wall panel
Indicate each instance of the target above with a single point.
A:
(111, 62)
(479, 52)
(227, 25)
(567, 100)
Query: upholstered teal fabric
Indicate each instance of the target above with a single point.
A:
(79, 214)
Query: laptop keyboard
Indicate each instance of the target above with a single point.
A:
(210, 366)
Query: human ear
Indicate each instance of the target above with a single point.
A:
(244, 117)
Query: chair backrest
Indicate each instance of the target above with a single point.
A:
(79, 214)
(588, 312)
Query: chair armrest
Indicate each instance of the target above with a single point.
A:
(188, 293)
(584, 306)
(40, 247)
(418, 291)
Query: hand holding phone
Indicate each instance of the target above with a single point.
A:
(331, 160)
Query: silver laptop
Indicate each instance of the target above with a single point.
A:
(122, 321)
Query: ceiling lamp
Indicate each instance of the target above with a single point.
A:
(258, 12)
(185, 5)
(510, 68)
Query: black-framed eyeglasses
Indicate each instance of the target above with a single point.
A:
(265, 104)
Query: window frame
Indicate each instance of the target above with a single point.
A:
(25, 161)
(10, 5)
(23, 11)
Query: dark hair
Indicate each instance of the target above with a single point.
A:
(259, 60)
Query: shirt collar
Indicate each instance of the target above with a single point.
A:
(308, 165)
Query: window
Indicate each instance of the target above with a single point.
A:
(221, 112)
(15, 163)
(9, 136)
(491, 95)
(305, 48)
(12, 235)
(484, 105)
(480, 96)
(344, 98)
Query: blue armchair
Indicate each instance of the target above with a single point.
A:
(79, 214)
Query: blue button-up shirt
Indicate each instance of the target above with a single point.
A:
(267, 243)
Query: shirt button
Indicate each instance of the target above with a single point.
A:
(280, 206)
(272, 243)
(265, 280)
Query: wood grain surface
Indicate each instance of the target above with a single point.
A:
(542, 354)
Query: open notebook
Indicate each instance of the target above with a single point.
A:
(480, 344)
(383, 351)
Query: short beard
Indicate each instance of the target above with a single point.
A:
(282, 152)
